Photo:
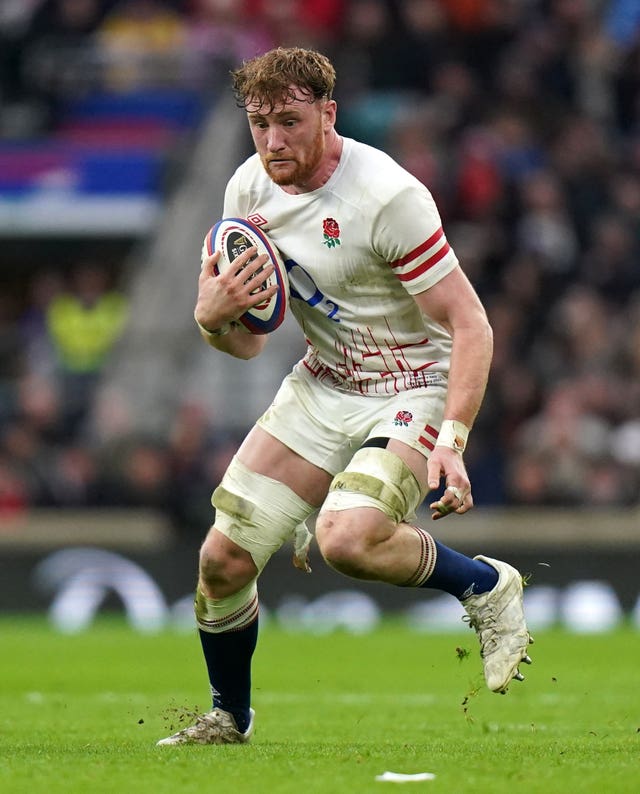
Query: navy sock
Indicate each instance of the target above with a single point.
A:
(228, 657)
(459, 575)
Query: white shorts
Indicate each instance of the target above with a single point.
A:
(326, 426)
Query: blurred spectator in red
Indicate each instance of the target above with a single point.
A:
(14, 499)
(300, 23)
(479, 189)
(481, 30)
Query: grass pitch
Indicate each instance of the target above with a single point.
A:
(82, 714)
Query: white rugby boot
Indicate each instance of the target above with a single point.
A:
(498, 619)
(214, 727)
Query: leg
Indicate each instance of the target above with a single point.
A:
(227, 616)
(361, 533)
(365, 536)
(366, 544)
(255, 515)
(226, 608)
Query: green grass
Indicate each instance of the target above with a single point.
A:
(82, 714)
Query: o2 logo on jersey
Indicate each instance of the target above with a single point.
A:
(303, 287)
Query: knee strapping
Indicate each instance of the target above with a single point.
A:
(231, 613)
(257, 512)
(375, 478)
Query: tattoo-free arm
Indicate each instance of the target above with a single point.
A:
(454, 304)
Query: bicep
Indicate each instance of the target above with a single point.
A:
(452, 302)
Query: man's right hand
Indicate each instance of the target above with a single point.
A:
(224, 297)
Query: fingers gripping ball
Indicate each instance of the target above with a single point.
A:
(232, 236)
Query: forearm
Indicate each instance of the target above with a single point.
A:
(453, 303)
(237, 342)
(469, 371)
(468, 375)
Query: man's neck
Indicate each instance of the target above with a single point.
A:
(324, 171)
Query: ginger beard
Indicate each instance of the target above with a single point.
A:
(298, 168)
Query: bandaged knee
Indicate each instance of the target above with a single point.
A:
(376, 478)
(232, 613)
(257, 512)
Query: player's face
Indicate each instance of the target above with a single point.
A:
(291, 138)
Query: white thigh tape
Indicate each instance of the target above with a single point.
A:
(375, 478)
(257, 512)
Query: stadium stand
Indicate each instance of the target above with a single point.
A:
(523, 119)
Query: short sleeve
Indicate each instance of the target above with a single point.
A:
(408, 234)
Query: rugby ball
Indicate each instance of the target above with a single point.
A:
(232, 236)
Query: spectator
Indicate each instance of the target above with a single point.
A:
(137, 473)
(610, 261)
(544, 228)
(39, 357)
(58, 58)
(84, 323)
(13, 494)
(220, 32)
(142, 43)
(522, 118)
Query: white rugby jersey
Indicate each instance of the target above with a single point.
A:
(356, 250)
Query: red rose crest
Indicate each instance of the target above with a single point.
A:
(331, 232)
(403, 418)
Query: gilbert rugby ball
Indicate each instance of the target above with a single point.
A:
(232, 236)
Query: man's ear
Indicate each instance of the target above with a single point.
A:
(329, 113)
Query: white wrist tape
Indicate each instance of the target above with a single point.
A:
(453, 434)
(224, 329)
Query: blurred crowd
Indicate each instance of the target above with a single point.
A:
(523, 119)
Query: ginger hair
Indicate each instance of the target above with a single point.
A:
(275, 77)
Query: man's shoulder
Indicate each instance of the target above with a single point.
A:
(377, 164)
(377, 167)
(365, 153)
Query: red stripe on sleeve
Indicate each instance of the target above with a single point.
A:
(420, 249)
(433, 260)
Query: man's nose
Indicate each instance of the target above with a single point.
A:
(275, 139)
